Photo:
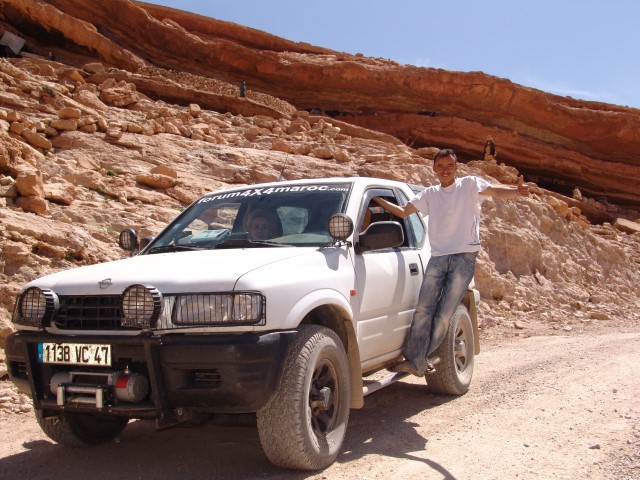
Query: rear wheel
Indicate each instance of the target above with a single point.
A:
(304, 425)
(454, 372)
(81, 429)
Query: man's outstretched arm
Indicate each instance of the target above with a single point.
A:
(507, 192)
(397, 210)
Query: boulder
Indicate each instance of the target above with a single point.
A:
(30, 184)
(627, 225)
(120, 95)
(94, 67)
(156, 180)
(33, 204)
(64, 124)
(69, 113)
(60, 191)
(36, 140)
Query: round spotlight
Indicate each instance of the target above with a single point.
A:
(340, 226)
(128, 239)
(36, 306)
(141, 306)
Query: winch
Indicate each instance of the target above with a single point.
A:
(99, 388)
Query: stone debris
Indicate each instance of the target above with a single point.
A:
(11, 401)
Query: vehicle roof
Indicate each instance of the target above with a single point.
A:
(356, 181)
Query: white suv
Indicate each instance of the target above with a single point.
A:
(211, 322)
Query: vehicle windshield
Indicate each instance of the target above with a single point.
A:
(288, 215)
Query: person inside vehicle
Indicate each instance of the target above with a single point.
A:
(263, 225)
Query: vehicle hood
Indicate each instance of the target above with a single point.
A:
(175, 272)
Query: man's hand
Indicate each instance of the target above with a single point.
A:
(397, 210)
(508, 192)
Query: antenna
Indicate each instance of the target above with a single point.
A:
(283, 166)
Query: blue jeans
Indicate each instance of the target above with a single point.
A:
(445, 282)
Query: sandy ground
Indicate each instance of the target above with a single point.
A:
(540, 407)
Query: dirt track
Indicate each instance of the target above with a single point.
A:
(543, 407)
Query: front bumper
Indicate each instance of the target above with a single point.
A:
(227, 374)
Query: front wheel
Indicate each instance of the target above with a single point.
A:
(80, 429)
(453, 373)
(304, 425)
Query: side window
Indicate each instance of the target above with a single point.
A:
(372, 212)
(415, 223)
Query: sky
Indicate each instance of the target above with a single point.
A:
(585, 49)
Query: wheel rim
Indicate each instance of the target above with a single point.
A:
(324, 398)
(462, 346)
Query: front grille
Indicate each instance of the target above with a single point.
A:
(104, 312)
(93, 312)
(207, 378)
(19, 369)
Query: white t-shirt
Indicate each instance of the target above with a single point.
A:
(454, 215)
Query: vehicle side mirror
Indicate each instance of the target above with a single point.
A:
(381, 235)
(144, 241)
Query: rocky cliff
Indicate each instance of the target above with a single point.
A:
(120, 113)
(561, 142)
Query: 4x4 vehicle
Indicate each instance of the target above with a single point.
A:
(207, 321)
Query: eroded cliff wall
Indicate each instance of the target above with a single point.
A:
(558, 141)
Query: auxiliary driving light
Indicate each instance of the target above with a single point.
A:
(141, 306)
(340, 226)
(36, 306)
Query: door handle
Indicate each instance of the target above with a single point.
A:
(413, 268)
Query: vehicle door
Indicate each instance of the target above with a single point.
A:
(387, 281)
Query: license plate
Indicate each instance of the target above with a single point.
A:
(74, 353)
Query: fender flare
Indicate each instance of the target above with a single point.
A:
(328, 297)
(313, 300)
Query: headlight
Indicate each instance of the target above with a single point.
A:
(35, 307)
(141, 306)
(222, 308)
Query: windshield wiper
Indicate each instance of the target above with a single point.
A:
(246, 243)
(173, 248)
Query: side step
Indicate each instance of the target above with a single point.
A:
(376, 385)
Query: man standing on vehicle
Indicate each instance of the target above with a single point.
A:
(453, 209)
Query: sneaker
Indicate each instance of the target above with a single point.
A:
(431, 365)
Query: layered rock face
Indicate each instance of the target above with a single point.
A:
(561, 142)
(106, 137)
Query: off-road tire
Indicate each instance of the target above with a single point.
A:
(454, 372)
(304, 424)
(80, 429)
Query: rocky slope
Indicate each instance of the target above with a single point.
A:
(106, 137)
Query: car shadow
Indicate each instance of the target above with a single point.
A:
(227, 452)
(394, 406)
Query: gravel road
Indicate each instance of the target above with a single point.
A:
(542, 407)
